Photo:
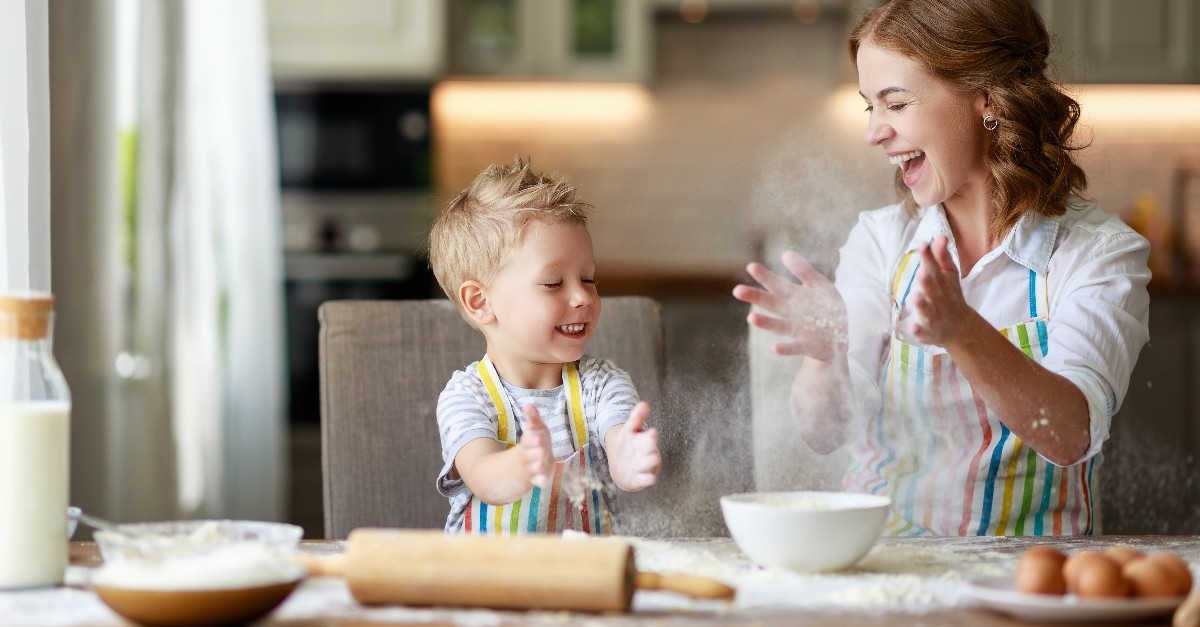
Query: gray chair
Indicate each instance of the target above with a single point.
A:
(382, 366)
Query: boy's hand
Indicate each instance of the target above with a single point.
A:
(536, 450)
(633, 457)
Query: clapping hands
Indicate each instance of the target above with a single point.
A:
(633, 456)
(939, 304)
(536, 449)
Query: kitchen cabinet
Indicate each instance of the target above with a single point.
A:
(1118, 41)
(356, 39)
(559, 39)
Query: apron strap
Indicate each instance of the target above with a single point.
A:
(506, 427)
(578, 423)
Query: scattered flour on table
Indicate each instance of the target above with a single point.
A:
(56, 606)
(891, 577)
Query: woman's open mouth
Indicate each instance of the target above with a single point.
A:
(910, 165)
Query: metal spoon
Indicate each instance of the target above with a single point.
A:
(100, 523)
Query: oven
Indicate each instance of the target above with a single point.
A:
(357, 205)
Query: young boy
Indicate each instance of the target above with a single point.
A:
(513, 252)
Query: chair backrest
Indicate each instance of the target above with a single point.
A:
(383, 365)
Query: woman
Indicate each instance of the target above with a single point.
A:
(981, 333)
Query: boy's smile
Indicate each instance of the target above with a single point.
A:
(543, 305)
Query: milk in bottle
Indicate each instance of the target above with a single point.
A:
(35, 406)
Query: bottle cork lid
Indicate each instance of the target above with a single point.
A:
(25, 316)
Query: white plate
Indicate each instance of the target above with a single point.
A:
(1000, 594)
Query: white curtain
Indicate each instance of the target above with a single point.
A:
(220, 245)
(175, 359)
(199, 428)
(24, 146)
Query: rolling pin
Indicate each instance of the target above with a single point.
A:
(406, 567)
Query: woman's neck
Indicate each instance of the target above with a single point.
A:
(970, 223)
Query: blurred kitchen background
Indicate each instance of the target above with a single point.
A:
(707, 133)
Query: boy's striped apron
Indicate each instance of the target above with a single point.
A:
(949, 465)
(571, 498)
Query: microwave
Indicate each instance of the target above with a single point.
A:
(345, 137)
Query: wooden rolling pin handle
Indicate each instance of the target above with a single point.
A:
(695, 587)
(321, 566)
(1188, 612)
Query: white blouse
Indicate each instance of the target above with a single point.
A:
(1097, 276)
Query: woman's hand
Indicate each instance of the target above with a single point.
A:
(943, 315)
(810, 315)
(633, 457)
(537, 453)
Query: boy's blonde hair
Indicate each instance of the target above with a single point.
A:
(474, 237)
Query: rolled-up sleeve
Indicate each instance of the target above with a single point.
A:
(1099, 322)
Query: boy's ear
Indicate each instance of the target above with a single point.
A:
(475, 302)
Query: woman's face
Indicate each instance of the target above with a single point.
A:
(929, 130)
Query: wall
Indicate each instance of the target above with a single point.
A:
(675, 178)
(1140, 136)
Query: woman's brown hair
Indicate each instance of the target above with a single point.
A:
(999, 47)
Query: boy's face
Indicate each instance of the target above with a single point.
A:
(544, 301)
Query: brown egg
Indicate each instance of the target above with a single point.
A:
(1101, 578)
(1150, 578)
(1122, 555)
(1075, 565)
(1179, 569)
(1040, 571)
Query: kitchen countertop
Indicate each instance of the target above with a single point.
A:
(901, 581)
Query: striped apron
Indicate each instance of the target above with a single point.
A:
(949, 465)
(572, 497)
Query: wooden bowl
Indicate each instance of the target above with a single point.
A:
(198, 607)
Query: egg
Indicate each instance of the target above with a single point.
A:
(1040, 571)
(1122, 555)
(1150, 578)
(1078, 562)
(1178, 568)
(1101, 577)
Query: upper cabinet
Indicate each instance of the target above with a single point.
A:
(1125, 41)
(356, 39)
(560, 39)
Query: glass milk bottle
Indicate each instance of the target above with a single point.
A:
(35, 405)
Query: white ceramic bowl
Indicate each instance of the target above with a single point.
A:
(805, 531)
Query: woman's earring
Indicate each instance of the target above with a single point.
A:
(990, 122)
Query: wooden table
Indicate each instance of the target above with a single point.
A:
(902, 581)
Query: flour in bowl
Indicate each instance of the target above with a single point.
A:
(792, 502)
(234, 565)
